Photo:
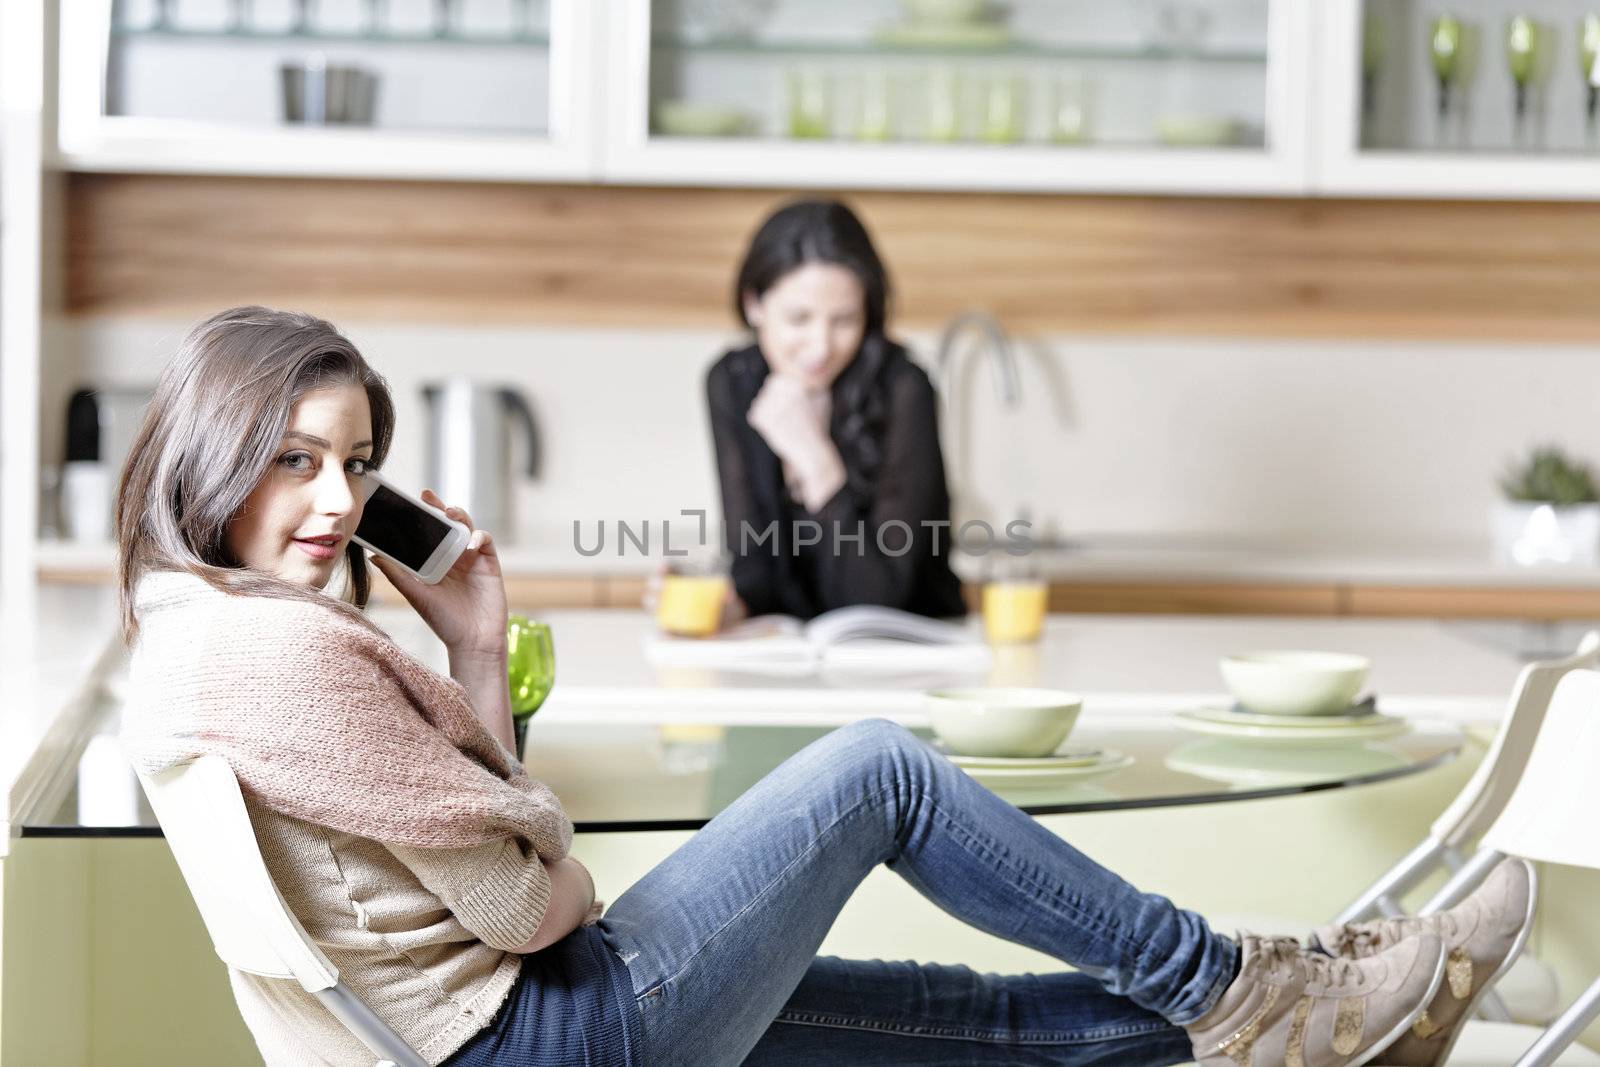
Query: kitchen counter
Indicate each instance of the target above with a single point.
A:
(54, 657)
(62, 675)
(1117, 559)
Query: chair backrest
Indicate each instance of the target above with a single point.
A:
(203, 816)
(1469, 816)
(1551, 814)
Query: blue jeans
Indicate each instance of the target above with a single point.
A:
(720, 939)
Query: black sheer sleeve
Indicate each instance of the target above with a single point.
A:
(902, 559)
(731, 384)
(885, 422)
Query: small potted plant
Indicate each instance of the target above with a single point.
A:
(1551, 513)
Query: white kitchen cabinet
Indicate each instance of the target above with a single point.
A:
(472, 90)
(1386, 125)
(1193, 96)
(1299, 97)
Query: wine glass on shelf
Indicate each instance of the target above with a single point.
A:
(1589, 61)
(1524, 38)
(1445, 40)
(530, 670)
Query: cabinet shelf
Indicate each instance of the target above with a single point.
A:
(1013, 49)
(313, 37)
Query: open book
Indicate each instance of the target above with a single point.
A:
(862, 638)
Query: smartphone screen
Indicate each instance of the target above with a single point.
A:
(398, 528)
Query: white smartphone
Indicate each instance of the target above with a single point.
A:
(417, 536)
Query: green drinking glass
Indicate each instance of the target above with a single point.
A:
(531, 670)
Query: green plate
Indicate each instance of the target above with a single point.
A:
(1234, 716)
(1071, 757)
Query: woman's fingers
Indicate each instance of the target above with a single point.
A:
(430, 497)
(402, 580)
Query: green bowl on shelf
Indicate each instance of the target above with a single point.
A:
(686, 118)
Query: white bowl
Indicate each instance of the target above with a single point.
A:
(1295, 683)
(991, 721)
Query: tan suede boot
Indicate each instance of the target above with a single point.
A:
(1483, 935)
(1291, 1007)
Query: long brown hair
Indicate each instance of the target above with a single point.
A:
(213, 427)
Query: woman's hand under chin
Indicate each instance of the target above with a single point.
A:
(467, 608)
(793, 420)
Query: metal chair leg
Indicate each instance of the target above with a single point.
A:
(1564, 1031)
(372, 1031)
(1394, 882)
(1463, 882)
(1493, 1009)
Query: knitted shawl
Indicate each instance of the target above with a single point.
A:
(324, 719)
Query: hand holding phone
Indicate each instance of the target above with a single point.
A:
(418, 536)
(455, 583)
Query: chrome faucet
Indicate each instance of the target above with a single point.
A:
(997, 346)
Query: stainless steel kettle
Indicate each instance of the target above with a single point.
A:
(470, 443)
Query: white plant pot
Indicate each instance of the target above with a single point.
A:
(1534, 534)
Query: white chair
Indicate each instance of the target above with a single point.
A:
(1529, 992)
(206, 824)
(1549, 818)
(1485, 796)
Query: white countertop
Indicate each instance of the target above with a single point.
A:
(60, 659)
(1148, 663)
(1124, 559)
(53, 656)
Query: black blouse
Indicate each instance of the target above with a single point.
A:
(885, 425)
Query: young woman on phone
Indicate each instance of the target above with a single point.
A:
(435, 874)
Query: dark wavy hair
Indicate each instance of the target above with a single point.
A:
(813, 231)
(209, 435)
(826, 231)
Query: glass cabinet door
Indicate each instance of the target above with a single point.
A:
(140, 71)
(1473, 98)
(1068, 77)
(439, 65)
(1141, 73)
(1485, 76)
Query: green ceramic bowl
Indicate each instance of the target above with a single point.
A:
(993, 721)
(1295, 682)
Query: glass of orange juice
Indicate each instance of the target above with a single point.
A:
(693, 592)
(1015, 599)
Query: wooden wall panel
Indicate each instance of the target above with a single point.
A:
(141, 244)
(1193, 598)
(1443, 602)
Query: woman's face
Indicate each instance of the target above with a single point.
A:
(810, 323)
(298, 519)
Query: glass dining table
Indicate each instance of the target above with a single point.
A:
(631, 746)
(643, 776)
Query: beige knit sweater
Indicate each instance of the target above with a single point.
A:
(406, 840)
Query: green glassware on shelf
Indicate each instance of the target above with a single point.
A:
(1445, 39)
(1002, 110)
(1523, 39)
(1588, 58)
(530, 669)
(810, 104)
